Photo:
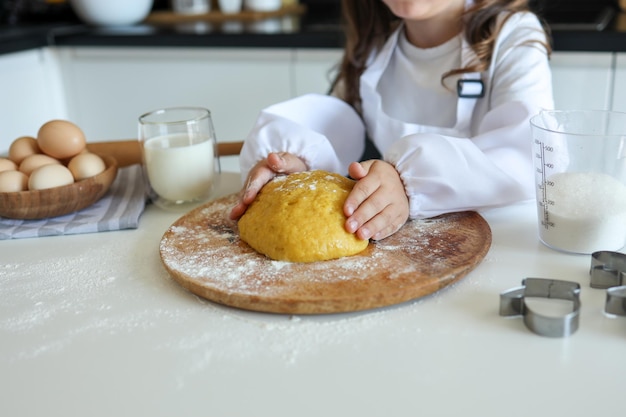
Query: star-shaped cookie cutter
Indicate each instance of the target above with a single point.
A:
(512, 303)
(608, 271)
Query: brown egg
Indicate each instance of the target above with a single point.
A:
(13, 181)
(50, 176)
(22, 147)
(7, 165)
(60, 139)
(31, 163)
(86, 165)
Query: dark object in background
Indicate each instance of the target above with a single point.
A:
(576, 14)
(35, 11)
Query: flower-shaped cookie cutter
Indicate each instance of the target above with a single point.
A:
(512, 303)
(608, 271)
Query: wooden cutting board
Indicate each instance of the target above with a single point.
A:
(203, 252)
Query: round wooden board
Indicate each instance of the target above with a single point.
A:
(203, 252)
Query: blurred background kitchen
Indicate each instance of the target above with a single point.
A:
(56, 63)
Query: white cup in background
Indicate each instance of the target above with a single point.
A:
(191, 6)
(111, 12)
(230, 6)
(263, 5)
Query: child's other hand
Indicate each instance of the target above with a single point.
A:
(377, 206)
(261, 174)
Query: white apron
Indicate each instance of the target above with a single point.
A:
(382, 128)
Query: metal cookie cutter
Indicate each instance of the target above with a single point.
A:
(608, 271)
(616, 301)
(512, 303)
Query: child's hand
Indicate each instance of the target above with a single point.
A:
(377, 206)
(261, 174)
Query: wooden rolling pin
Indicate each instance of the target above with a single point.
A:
(128, 152)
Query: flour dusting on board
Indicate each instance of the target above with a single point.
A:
(204, 247)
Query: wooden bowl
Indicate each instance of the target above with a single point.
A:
(57, 201)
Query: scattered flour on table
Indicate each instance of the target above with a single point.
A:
(52, 303)
(53, 311)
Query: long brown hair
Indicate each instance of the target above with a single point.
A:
(369, 23)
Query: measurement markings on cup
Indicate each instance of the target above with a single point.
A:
(544, 183)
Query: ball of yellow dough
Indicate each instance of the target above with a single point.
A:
(299, 218)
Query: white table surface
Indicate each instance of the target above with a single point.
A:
(92, 325)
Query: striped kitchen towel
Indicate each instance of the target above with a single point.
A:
(120, 208)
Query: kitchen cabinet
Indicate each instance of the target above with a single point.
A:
(314, 70)
(109, 88)
(619, 92)
(582, 80)
(31, 93)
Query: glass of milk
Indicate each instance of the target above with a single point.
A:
(580, 173)
(180, 161)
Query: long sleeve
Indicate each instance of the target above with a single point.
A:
(322, 130)
(443, 174)
(494, 166)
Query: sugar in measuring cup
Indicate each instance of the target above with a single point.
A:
(580, 172)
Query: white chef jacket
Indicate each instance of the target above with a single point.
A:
(483, 160)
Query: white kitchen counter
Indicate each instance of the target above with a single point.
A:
(92, 325)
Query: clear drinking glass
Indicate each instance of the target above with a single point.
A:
(580, 172)
(180, 160)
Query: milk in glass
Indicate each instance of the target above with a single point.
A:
(177, 170)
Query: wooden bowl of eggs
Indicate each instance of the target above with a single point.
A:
(53, 174)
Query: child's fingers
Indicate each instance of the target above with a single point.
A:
(363, 189)
(362, 219)
(256, 180)
(285, 163)
(385, 224)
(358, 170)
(261, 174)
(237, 211)
(377, 206)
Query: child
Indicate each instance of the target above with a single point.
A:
(443, 88)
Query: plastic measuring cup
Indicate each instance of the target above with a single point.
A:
(580, 172)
